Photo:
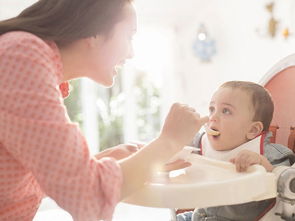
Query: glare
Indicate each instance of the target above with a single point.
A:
(152, 49)
(202, 36)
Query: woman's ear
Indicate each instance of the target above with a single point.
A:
(254, 130)
(89, 42)
(95, 42)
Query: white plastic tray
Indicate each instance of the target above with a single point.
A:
(206, 183)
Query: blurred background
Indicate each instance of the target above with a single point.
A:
(183, 51)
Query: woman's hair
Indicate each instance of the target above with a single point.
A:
(65, 21)
(260, 97)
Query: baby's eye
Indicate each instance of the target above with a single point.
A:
(211, 110)
(226, 111)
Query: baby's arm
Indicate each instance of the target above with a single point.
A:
(246, 158)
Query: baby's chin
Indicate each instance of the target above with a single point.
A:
(221, 147)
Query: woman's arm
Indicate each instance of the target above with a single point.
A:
(118, 152)
(179, 129)
(51, 152)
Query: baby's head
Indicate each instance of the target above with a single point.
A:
(239, 111)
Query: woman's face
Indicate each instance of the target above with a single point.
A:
(107, 53)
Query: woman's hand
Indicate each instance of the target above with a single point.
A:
(121, 151)
(181, 125)
(246, 158)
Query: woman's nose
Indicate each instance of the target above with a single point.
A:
(130, 53)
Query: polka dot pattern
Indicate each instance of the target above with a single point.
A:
(41, 151)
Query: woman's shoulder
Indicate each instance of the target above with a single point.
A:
(20, 36)
(21, 39)
(17, 46)
(25, 57)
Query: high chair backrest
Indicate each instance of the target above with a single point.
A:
(291, 139)
(280, 81)
(273, 129)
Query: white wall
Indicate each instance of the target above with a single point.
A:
(9, 8)
(243, 54)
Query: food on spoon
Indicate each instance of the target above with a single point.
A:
(212, 132)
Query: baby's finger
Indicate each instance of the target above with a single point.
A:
(243, 167)
(137, 143)
(240, 162)
(248, 162)
(238, 166)
(132, 147)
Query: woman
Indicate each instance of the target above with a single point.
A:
(41, 151)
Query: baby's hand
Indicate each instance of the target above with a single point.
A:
(246, 158)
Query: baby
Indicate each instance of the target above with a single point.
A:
(240, 114)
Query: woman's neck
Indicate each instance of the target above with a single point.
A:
(72, 59)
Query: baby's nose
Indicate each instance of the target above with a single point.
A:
(213, 117)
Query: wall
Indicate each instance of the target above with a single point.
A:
(243, 52)
(9, 8)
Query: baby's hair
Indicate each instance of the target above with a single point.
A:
(261, 100)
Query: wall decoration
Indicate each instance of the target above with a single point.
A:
(204, 46)
(278, 24)
(272, 23)
(286, 33)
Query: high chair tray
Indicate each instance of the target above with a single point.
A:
(206, 183)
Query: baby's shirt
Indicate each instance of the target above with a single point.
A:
(260, 144)
(256, 145)
(41, 151)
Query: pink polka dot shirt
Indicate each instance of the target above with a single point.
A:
(41, 151)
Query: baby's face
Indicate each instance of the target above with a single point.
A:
(230, 113)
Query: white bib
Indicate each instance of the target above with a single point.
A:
(255, 145)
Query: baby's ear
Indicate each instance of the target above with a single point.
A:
(255, 129)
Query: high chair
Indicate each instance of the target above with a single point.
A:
(192, 187)
(273, 129)
(291, 139)
(280, 81)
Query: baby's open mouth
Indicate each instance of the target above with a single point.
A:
(213, 132)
